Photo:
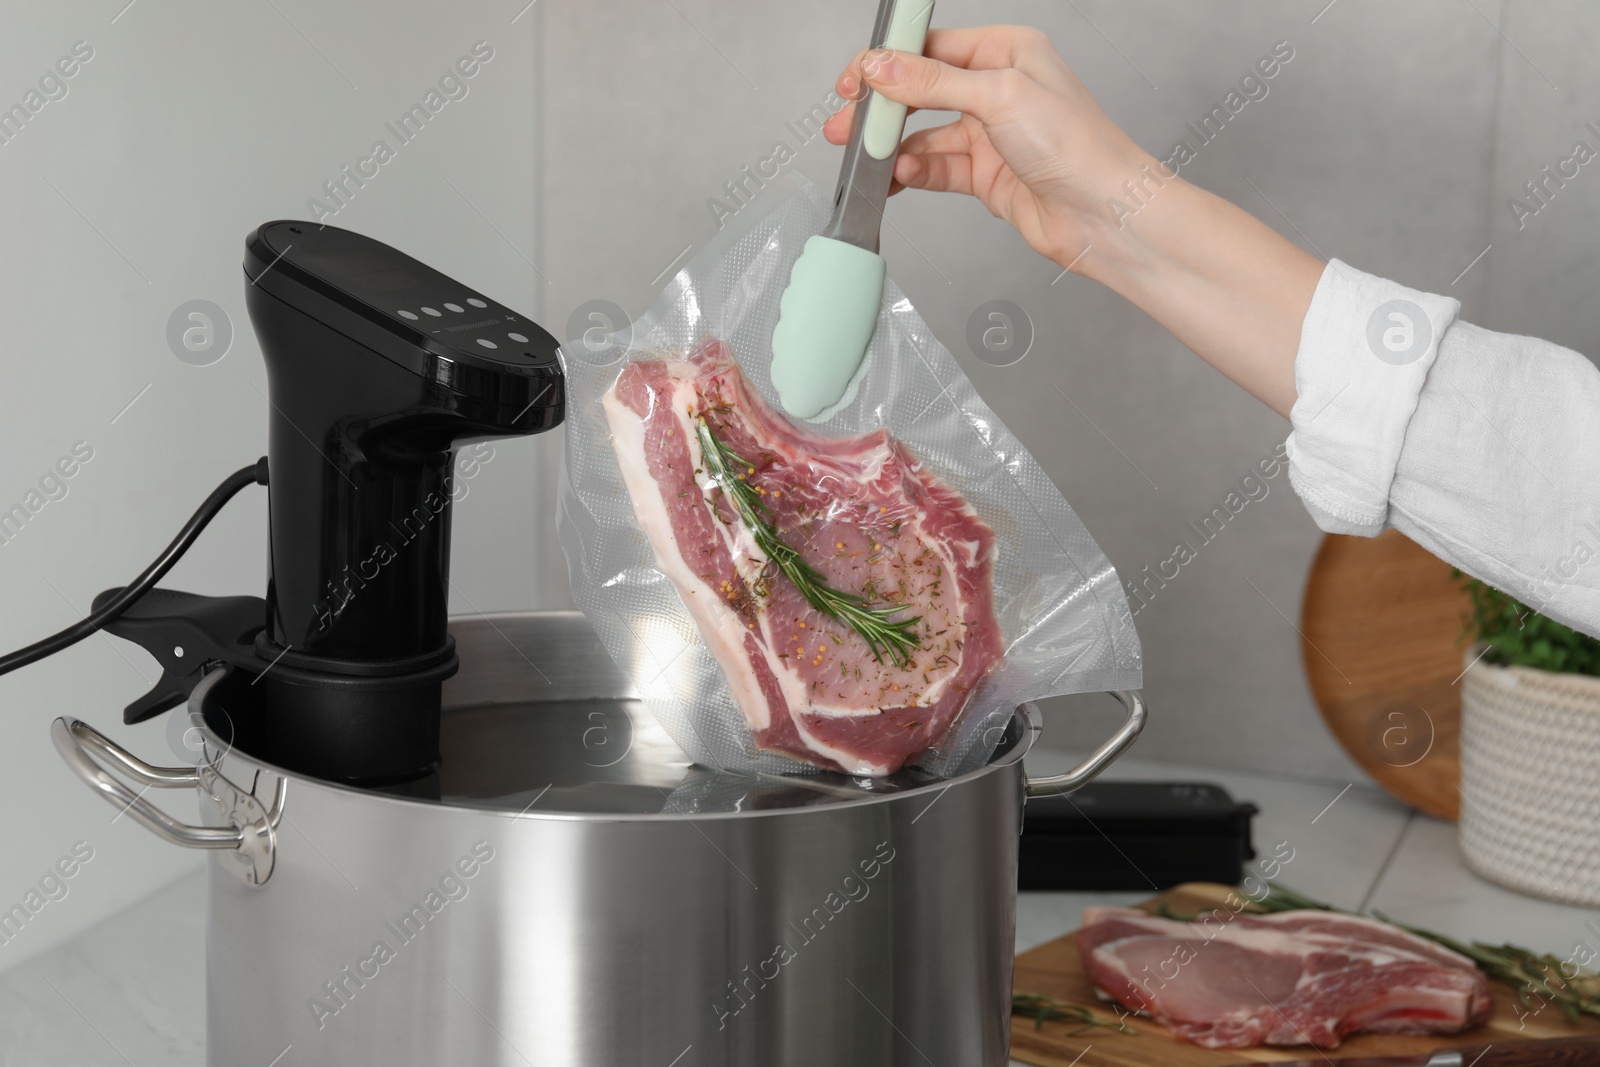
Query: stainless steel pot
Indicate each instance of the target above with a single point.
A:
(569, 890)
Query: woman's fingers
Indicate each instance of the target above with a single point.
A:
(998, 78)
(939, 172)
(973, 48)
(935, 159)
(919, 82)
(998, 47)
(837, 128)
(951, 137)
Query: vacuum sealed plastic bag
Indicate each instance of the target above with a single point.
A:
(875, 591)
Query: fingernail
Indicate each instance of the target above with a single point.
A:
(850, 85)
(881, 66)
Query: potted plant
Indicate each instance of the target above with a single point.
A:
(1530, 751)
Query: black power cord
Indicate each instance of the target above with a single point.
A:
(255, 474)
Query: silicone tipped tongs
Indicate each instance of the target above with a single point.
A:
(828, 313)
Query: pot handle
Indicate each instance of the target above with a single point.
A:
(1100, 758)
(253, 831)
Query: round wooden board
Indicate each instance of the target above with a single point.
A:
(1380, 625)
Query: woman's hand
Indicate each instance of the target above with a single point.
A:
(1031, 143)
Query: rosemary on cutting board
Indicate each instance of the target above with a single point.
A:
(1043, 1010)
(876, 625)
(1536, 978)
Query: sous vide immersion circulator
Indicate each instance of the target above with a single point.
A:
(378, 367)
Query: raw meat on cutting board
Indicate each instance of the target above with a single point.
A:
(1300, 977)
(862, 511)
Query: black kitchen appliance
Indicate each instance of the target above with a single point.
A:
(1134, 835)
(378, 367)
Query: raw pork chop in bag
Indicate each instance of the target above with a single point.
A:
(878, 590)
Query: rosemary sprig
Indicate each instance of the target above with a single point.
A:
(1043, 1009)
(883, 634)
(1536, 978)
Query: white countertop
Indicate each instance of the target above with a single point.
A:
(130, 992)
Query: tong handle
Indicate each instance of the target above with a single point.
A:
(868, 167)
(902, 26)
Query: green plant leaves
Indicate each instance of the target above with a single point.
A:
(1519, 636)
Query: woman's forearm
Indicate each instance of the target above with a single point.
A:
(1222, 282)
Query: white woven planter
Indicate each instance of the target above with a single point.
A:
(1530, 781)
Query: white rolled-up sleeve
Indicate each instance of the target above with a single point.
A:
(1482, 447)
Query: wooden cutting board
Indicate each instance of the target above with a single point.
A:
(1055, 970)
(1380, 627)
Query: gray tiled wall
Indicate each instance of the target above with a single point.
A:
(1376, 144)
(1542, 268)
